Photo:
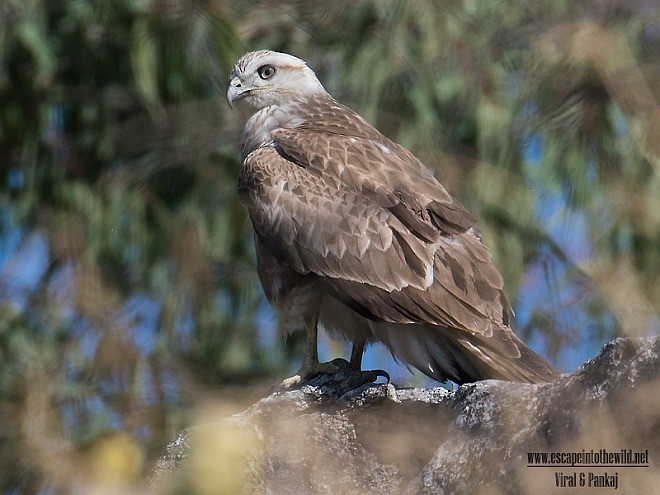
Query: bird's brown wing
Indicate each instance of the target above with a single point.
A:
(367, 162)
(375, 226)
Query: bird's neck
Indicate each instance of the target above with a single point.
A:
(258, 128)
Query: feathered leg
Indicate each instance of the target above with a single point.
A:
(311, 366)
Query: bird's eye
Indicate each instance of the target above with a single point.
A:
(266, 71)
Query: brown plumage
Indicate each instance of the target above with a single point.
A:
(353, 233)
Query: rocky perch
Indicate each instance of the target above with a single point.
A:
(489, 437)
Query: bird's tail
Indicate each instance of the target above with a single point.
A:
(445, 353)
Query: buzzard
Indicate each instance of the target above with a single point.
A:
(355, 235)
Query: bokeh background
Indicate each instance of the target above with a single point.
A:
(128, 293)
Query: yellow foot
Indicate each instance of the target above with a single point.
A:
(306, 373)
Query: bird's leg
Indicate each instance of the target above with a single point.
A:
(356, 355)
(365, 376)
(311, 366)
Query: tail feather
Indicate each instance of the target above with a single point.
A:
(527, 367)
(444, 353)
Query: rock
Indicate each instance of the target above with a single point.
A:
(479, 439)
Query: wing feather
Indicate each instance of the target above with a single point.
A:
(285, 229)
(383, 235)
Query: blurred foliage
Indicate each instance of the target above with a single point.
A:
(117, 157)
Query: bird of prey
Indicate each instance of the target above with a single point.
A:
(355, 235)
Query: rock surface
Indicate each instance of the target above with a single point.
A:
(379, 440)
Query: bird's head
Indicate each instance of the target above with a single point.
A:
(264, 78)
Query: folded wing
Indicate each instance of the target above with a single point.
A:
(377, 228)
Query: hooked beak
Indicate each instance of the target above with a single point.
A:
(236, 91)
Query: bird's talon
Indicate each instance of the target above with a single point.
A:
(383, 374)
(289, 383)
(306, 373)
(324, 369)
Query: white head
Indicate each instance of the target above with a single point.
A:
(264, 78)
